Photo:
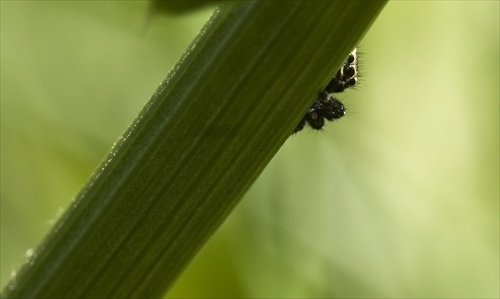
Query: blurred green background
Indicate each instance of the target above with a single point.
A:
(398, 199)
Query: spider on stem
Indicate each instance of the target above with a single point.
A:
(326, 106)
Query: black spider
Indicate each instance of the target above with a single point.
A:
(326, 106)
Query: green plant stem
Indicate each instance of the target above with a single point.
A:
(201, 141)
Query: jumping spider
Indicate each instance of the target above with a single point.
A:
(326, 106)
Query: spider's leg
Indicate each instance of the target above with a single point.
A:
(346, 76)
